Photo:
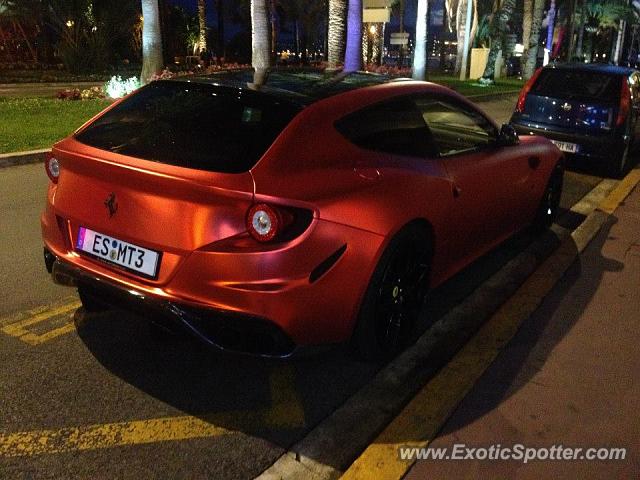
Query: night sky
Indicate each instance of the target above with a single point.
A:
(190, 5)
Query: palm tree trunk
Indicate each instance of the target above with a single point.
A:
(274, 30)
(220, 53)
(527, 18)
(420, 54)
(260, 52)
(619, 42)
(571, 29)
(551, 24)
(337, 31)
(461, 20)
(296, 37)
(151, 40)
(580, 40)
(18, 27)
(353, 57)
(534, 39)
(202, 22)
(6, 45)
(497, 36)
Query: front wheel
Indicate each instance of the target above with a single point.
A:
(394, 297)
(550, 203)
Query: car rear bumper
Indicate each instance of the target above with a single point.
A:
(224, 330)
(601, 149)
(302, 294)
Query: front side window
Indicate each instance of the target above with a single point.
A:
(455, 128)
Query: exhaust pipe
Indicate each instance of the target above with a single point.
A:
(63, 275)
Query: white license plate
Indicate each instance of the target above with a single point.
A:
(125, 254)
(566, 146)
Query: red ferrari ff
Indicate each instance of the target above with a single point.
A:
(311, 210)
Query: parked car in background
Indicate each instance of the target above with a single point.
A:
(311, 210)
(590, 111)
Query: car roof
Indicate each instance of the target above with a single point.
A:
(300, 86)
(594, 67)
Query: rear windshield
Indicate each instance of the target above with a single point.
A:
(204, 127)
(584, 85)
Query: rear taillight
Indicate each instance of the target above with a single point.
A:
(266, 223)
(625, 103)
(263, 222)
(52, 166)
(525, 90)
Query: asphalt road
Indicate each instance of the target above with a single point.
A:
(93, 396)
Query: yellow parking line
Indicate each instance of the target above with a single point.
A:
(285, 411)
(621, 192)
(19, 329)
(107, 435)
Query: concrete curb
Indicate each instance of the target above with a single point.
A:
(486, 97)
(22, 158)
(334, 444)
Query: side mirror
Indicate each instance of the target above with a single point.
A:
(508, 136)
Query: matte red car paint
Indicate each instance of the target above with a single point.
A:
(359, 198)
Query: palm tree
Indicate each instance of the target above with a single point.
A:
(531, 52)
(151, 40)
(260, 48)
(29, 11)
(308, 19)
(460, 9)
(202, 22)
(337, 30)
(499, 29)
(353, 53)
(527, 19)
(420, 54)
(600, 15)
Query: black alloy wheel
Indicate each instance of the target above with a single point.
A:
(393, 301)
(550, 204)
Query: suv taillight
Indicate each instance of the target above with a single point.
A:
(625, 103)
(52, 166)
(525, 90)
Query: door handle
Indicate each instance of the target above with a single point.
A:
(534, 162)
(456, 191)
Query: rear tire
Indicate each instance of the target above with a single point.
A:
(90, 301)
(393, 300)
(550, 203)
(621, 166)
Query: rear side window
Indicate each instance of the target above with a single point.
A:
(579, 84)
(199, 126)
(395, 127)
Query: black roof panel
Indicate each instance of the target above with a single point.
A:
(303, 86)
(595, 67)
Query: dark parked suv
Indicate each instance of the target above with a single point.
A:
(589, 111)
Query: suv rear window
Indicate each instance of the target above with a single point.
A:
(199, 126)
(580, 84)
